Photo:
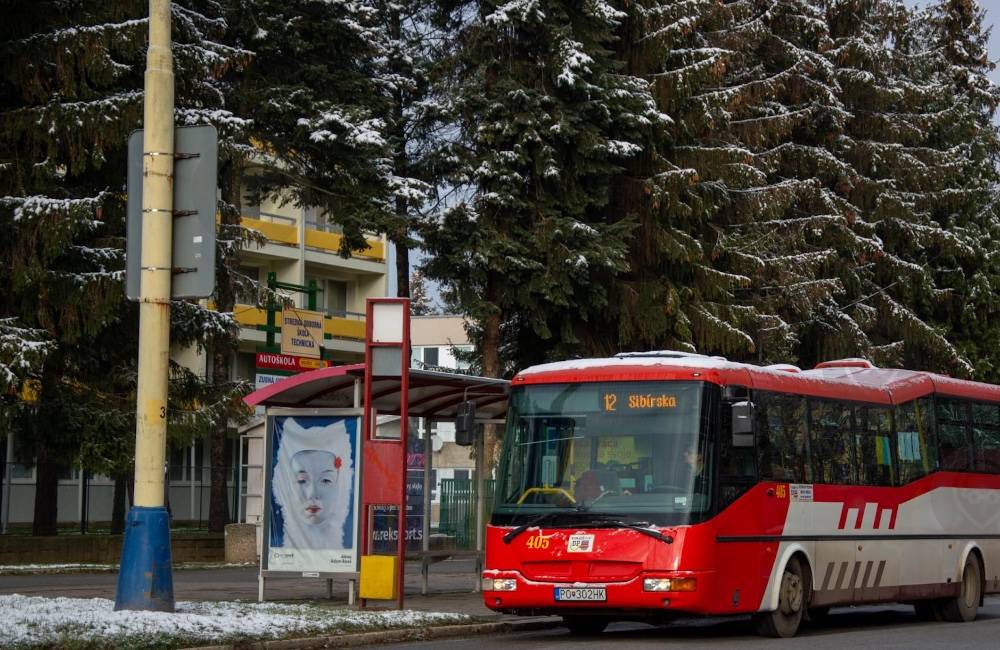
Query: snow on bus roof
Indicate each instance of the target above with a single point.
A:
(854, 379)
(682, 360)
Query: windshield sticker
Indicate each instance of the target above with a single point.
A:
(580, 544)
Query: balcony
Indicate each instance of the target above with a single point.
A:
(336, 325)
(275, 229)
(319, 236)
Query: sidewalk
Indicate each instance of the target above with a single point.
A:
(450, 590)
(455, 577)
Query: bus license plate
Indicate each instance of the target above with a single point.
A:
(581, 593)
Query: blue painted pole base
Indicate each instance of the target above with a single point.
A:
(145, 579)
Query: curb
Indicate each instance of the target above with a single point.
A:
(390, 636)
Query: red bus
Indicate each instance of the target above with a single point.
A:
(651, 485)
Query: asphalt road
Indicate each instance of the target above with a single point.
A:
(884, 627)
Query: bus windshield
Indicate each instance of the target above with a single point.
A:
(635, 450)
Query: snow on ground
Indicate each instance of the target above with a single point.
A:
(34, 622)
(15, 569)
(86, 567)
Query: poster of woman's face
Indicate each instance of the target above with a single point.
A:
(313, 489)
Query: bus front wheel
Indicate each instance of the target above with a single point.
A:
(784, 621)
(963, 608)
(584, 626)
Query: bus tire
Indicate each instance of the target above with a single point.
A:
(585, 626)
(964, 607)
(784, 622)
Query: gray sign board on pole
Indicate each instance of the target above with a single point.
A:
(196, 164)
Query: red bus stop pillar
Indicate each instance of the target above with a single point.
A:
(387, 355)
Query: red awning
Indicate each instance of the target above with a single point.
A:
(433, 394)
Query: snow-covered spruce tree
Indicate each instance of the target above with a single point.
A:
(545, 120)
(314, 100)
(725, 254)
(411, 44)
(955, 29)
(901, 182)
(784, 233)
(792, 199)
(315, 93)
(71, 85)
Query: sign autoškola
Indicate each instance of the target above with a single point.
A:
(289, 363)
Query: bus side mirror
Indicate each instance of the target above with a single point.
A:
(742, 424)
(465, 423)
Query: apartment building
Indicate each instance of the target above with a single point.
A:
(301, 246)
(435, 341)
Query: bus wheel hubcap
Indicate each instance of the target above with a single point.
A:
(969, 589)
(791, 594)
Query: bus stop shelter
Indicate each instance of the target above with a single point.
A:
(410, 394)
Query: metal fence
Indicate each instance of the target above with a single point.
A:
(458, 510)
(85, 502)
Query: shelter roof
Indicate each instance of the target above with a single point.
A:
(433, 394)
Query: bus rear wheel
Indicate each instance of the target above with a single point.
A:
(964, 607)
(784, 622)
(584, 626)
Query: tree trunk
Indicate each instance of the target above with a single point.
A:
(402, 263)
(46, 494)
(218, 503)
(222, 356)
(118, 507)
(491, 368)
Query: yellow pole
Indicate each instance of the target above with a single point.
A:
(145, 580)
(157, 228)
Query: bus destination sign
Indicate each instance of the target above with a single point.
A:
(638, 402)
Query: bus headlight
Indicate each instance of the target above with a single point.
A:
(499, 584)
(668, 584)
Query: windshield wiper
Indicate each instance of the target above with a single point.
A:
(601, 522)
(509, 537)
(638, 526)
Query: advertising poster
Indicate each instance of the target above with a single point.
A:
(384, 529)
(313, 489)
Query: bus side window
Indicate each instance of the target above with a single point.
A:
(986, 436)
(915, 445)
(830, 434)
(952, 432)
(874, 446)
(781, 437)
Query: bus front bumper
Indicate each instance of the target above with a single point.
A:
(652, 593)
